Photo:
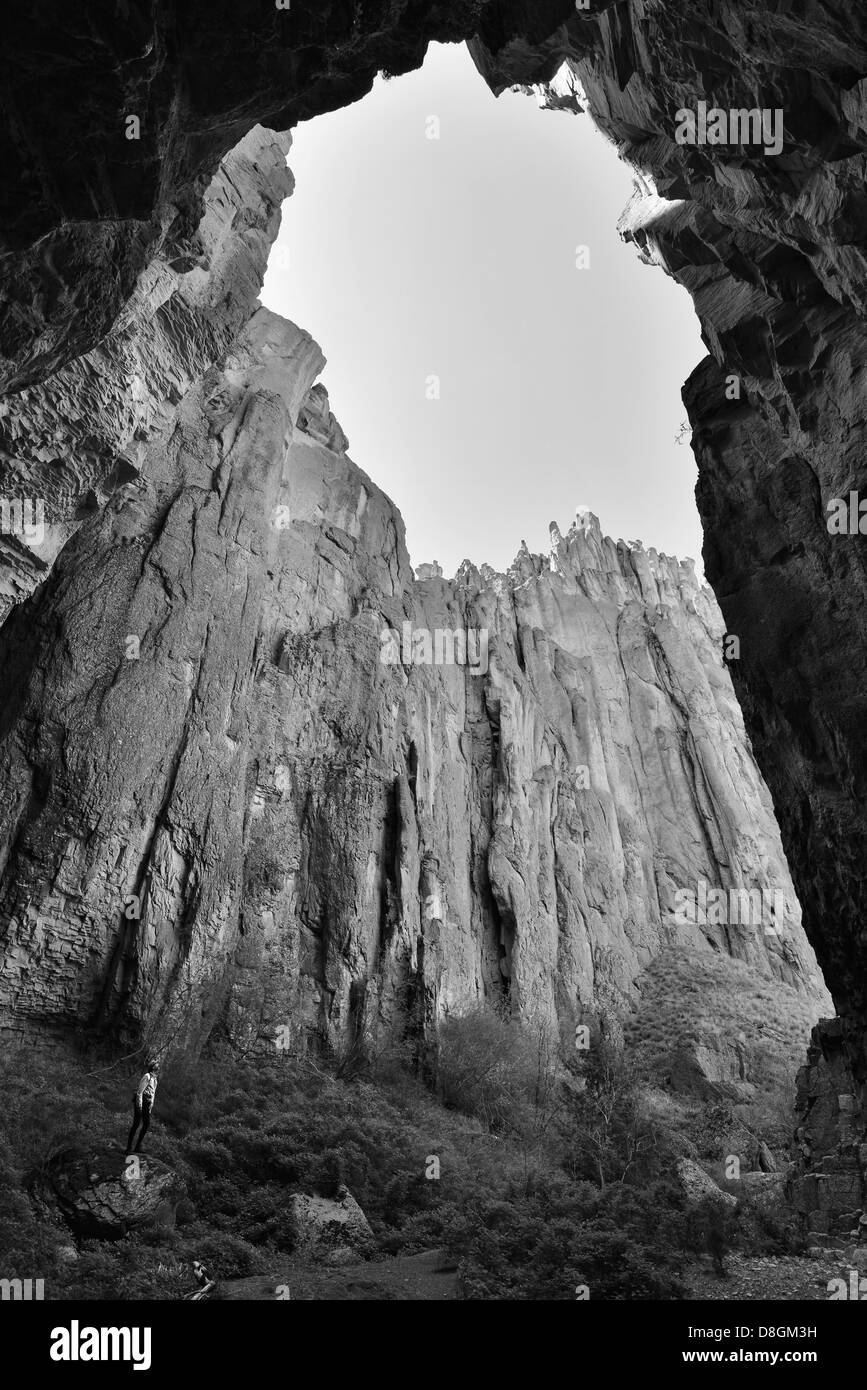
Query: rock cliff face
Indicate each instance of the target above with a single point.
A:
(113, 124)
(773, 248)
(255, 775)
(81, 435)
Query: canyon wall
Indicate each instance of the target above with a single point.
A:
(114, 122)
(255, 776)
(772, 247)
(82, 434)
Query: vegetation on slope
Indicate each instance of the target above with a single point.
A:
(548, 1180)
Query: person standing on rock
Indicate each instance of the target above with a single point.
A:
(142, 1105)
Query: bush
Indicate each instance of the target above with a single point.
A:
(613, 1137)
(711, 1227)
(492, 1068)
(552, 1246)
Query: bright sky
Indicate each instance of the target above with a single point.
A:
(409, 258)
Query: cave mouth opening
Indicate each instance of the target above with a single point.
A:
(496, 355)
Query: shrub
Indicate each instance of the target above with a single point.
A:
(549, 1246)
(613, 1137)
(492, 1068)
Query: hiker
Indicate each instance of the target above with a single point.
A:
(142, 1105)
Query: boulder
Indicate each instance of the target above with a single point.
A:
(765, 1207)
(766, 1191)
(699, 1186)
(334, 1231)
(765, 1160)
(107, 1195)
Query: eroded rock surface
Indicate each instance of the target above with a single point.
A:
(248, 780)
(699, 1187)
(330, 1231)
(773, 249)
(105, 1196)
(113, 124)
(79, 437)
(829, 1187)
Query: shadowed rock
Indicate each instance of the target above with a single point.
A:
(699, 1187)
(107, 1195)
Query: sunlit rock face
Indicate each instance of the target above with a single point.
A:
(256, 776)
(773, 247)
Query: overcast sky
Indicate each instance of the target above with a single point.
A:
(409, 258)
